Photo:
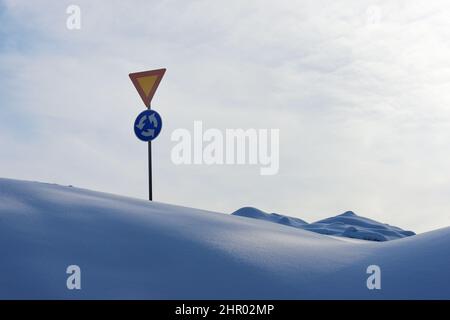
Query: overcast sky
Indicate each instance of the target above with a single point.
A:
(360, 91)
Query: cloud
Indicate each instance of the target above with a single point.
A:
(360, 92)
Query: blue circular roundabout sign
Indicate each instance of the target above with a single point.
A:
(148, 125)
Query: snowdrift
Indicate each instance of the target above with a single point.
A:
(134, 249)
(347, 225)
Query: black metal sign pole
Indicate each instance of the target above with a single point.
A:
(150, 196)
(150, 187)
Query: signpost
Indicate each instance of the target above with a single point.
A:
(148, 123)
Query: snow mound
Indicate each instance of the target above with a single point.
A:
(251, 212)
(347, 224)
(351, 225)
(135, 249)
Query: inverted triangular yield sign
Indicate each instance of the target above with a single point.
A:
(146, 83)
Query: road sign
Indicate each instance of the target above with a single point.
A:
(147, 125)
(146, 83)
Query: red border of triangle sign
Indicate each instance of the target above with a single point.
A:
(147, 98)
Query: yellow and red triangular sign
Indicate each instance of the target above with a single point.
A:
(146, 83)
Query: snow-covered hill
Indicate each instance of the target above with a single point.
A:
(347, 225)
(129, 248)
(251, 212)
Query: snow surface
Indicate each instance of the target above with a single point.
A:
(128, 248)
(347, 225)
